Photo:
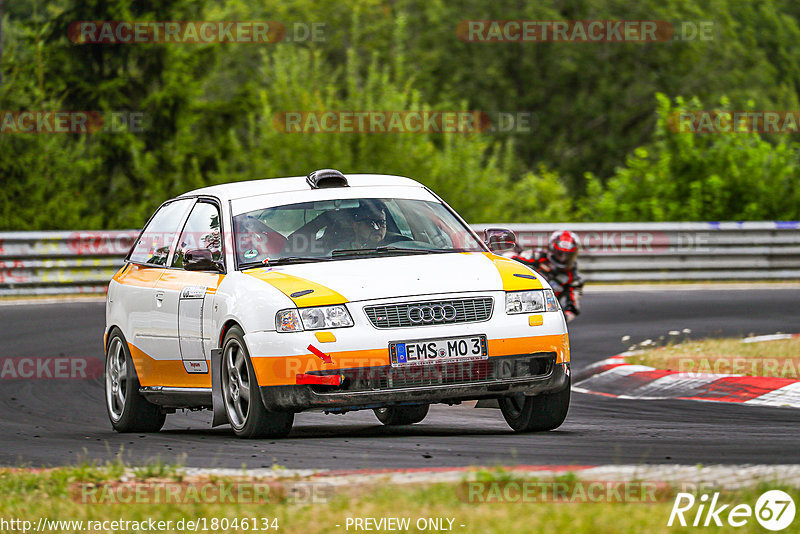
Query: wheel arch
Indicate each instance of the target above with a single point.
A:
(226, 326)
(107, 335)
(220, 417)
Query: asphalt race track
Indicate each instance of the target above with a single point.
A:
(55, 422)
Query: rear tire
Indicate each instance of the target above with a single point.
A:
(243, 405)
(536, 414)
(127, 409)
(402, 415)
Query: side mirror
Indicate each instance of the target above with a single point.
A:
(500, 239)
(199, 259)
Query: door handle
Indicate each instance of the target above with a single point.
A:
(160, 296)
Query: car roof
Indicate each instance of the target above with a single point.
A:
(235, 190)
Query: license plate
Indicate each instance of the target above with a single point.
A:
(429, 351)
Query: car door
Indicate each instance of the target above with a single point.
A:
(146, 263)
(186, 297)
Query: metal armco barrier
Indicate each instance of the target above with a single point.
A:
(42, 263)
(39, 263)
(618, 252)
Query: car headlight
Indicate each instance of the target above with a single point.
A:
(313, 318)
(539, 300)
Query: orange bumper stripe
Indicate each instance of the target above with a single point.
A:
(283, 370)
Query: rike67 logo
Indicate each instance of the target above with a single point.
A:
(774, 510)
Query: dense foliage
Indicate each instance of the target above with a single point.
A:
(600, 148)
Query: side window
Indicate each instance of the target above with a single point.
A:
(154, 243)
(202, 230)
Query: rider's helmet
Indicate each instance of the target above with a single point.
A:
(562, 249)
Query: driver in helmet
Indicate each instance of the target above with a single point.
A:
(369, 225)
(558, 263)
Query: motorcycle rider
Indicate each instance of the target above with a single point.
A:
(558, 264)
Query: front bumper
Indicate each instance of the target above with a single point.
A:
(279, 357)
(304, 397)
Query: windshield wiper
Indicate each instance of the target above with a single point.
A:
(287, 260)
(393, 248)
(383, 249)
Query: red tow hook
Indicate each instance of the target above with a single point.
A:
(322, 380)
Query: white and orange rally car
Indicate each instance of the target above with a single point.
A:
(262, 299)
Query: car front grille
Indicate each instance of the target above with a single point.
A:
(389, 378)
(430, 312)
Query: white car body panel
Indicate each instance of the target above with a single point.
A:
(403, 276)
(187, 331)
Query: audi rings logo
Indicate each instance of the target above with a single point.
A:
(432, 314)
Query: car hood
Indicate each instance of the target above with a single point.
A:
(397, 276)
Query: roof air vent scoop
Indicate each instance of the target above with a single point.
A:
(324, 178)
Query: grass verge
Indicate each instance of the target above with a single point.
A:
(778, 358)
(30, 495)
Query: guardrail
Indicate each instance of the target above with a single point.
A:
(39, 263)
(615, 252)
(42, 263)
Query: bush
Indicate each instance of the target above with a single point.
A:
(688, 177)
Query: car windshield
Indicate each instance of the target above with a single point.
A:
(344, 228)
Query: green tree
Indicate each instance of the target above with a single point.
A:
(687, 176)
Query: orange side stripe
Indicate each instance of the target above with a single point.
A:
(136, 275)
(169, 373)
(176, 279)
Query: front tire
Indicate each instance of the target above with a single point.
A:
(243, 405)
(536, 414)
(127, 409)
(402, 415)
